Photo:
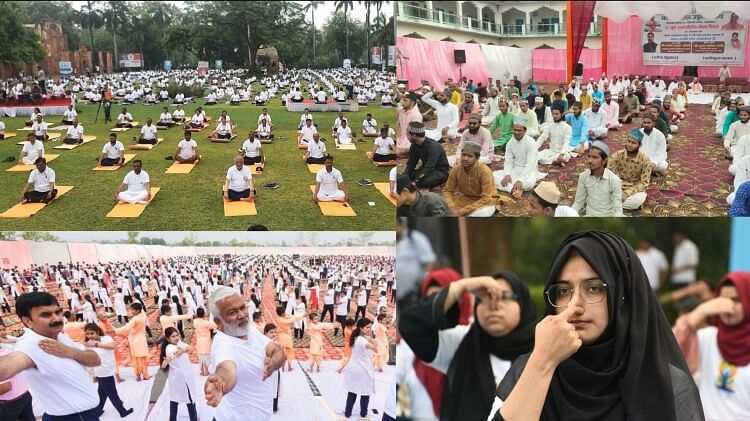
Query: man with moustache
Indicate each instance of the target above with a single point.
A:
(434, 169)
(503, 121)
(53, 365)
(470, 190)
(634, 169)
(597, 120)
(475, 133)
(407, 112)
(447, 115)
(599, 189)
(579, 124)
(244, 359)
(520, 170)
(491, 107)
(654, 145)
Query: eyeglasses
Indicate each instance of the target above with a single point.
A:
(505, 296)
(591, 291)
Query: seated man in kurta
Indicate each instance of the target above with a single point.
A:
(470, 189)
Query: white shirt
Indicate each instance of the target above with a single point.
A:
(187, 148)
(61, 385)
(383, 145)
(69, 115)
(344, 135)
(266, 117)
(654, 262)
(107, 368)
(42, 180)
(223, 128)
(321, 96)
(685, 254)
(136, 182)
(178, 114)
(165, 117)
(392, 178)
(447, 115)
(596, 119)
(238, 179)
(251, 147)
(33, 151)
(39, 128)
(421, 403)
(197, 119)
(654, 145)
(565, 211)
(329, 180)
(308, 132)
(263, 130)
(316, 149)
(304, 117)
(729, 403)
(124, 118)
(2, 127)
(149, 132)
(251, 397)
(113, 151)
(370, 127)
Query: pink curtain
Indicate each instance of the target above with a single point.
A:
(16, 253)
(433, 61)
(625, 54)
(549, 65)
(581, 13)
(83, 253)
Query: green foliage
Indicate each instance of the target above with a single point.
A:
(188, 91)
(21, 44)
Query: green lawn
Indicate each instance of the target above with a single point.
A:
(193, 201)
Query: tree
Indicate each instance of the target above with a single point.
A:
(20, 44)
(311, 6)
(346, 6)
(133, 237)
(116, 17)
(363, 237)
(90, 17)
(383, 32)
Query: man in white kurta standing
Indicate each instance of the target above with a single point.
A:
(447, 115)
(519, 173)
(52, 364)
(135, 187)
(244, 359)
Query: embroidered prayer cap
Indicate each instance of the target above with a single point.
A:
(596, 101)
(636, 134)
(472, 147)
(416, 127)
(475, 116)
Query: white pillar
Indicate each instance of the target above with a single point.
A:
(460, 13)
(429, 10)
(560, 14)
(526, 27)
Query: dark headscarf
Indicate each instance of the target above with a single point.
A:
(470, 387)
(734, 341)
(625, 373)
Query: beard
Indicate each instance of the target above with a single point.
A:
(236, 329)
(473, 130)
(648, 130)
(635, 152)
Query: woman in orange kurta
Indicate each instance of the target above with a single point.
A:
(203, 328)
(135, 331)
(315, 330)
(284, 324)
(348, 329)
(381, 340)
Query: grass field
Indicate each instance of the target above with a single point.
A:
(193, 201)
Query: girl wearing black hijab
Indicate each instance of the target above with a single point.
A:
(474, 357)
(605, 351)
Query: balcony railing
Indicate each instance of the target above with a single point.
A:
(468, 23)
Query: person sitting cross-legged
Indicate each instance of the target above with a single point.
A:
(125, 119)
(113, 152)
(238, 184)
(263, 131)
(434, 163)
(634, 169)
(165, 119)
(197, 121)
(306, 132)
(135, 187)
(470, 189)
(148, 133)
(178, 115)
(32, 150)
(187, 150)
(316, 151)
(252, 150)
(559, 134)
(520, 169)
(384, 148)
(597, 121)
(477, 134)
(329, 184)
(223, 129)
(344, 134)
(40, 187)
(74, 135)
(369, 126)
(69, 115)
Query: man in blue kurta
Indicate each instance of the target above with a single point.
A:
(580, 125)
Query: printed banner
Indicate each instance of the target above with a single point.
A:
(202, 67)
(218, 64)
(167, 65)
(130, 60)
(695, 41)
(376, 55)
(391, 55)
(66, 68)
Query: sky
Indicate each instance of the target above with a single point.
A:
(321, 12)
(290, 237)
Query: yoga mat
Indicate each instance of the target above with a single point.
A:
(385, 190)
(239, 208)
(119, 129)
(314, 168)
(391, 163)
(52, 137)
(334, 208)
(27, 168)
(61, 127)
(128, 157)
(193, 129)
(351, 147)
(146, 146)
(254, 169)
(178, 168)
(25, 129)
(215, 140)
(86, 139)
(9, 135)
(26, 210)
(128, 210)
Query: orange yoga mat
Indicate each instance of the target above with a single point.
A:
(26, 210)
(26, 168)
(52, 136)
(9, 135)
(351, 147)
(314, 168)
(385, 190)
(392, 163)
(86, 139)
(178, 168)
(217, 140)
(146, 146)
(128, 157)
(239, 208)
(335, 208)
(128, 210)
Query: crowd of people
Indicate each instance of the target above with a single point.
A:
(91, 320)
(602, 347)
(530, 129)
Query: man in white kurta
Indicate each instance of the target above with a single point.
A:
(737, 131)
(329, 184)
(654, 144)
(612, 110)
(447, 116)
(491, 107)
(742, 174)
(558, 132)
(370, 126)
(520, 170)
(597, 121)
(532, 124)
(135, 187)
(31, 150)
